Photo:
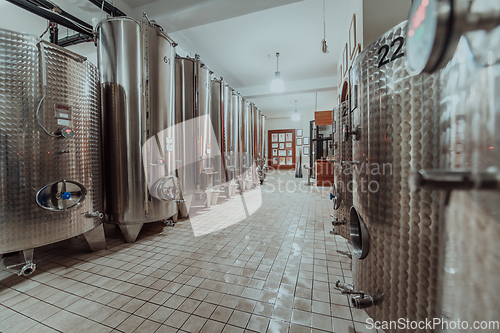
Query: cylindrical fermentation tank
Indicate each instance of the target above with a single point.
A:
(246, 137)
(219, 123)
(468, 176)
(50, 145)
(343, 185)
(193, 95)
(236, 141)
(137, 76)
(229, 134)
(394, 232)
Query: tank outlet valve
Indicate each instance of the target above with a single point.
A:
(66, 195)
(455, 180)
(367, 301)
(90, 215)
(345, 288)
(27, 269)
(339, 222)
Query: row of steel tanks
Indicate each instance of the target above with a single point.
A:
(173, 134)
(50, 148)
(129, 143)
(423, 161)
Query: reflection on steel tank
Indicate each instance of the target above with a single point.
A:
(136, 62)
(343, 186)
(217, 117)
(394, 232)
(470, 126)
(50, 149)
(193, 102)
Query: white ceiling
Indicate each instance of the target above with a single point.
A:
(238, 40)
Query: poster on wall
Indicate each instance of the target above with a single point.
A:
(288, 136)
(288, 161)
(274, 137)
(289, 145)
(299, 141)
(352, 37)
(282, 137)
(290, 153)
(275, 145)
(282, 146)
(306, 140)
(275, 152)
(306, 150)
(299, 132)
(282, 153)
(282, 161)
(275, 160)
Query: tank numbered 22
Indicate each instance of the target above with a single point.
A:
(397, 54)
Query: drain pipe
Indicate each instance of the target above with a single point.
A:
(361, 301)
(367, 301)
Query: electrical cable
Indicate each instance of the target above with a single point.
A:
(44, 85)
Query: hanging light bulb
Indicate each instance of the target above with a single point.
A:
(277, 85)
(296, 115)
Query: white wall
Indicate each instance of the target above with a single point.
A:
(382, 15)
(356, 7)
(283, 120)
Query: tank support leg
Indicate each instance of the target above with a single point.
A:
(208, 198)
(96, 238)
(130, 231)
(184, 206)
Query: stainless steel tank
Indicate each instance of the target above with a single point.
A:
(394, 231)
(246, 139)
(468, 176)
(50, 145)
(343, 184)
(470, 127)
(236, 142)
(193, 85)
(261, 156)
(136, 62)
(218, 118)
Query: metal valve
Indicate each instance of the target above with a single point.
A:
(351, 162)
(346, 133)
(94, 214)
(455, 180)
(367, 301)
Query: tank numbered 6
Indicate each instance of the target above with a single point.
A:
(397, 54)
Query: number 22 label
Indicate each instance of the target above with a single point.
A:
(397, 54)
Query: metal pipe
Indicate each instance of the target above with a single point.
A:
(54, 8)
(108, 8)
(51, 16)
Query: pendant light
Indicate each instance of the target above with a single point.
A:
(277, 85)
(296, 115)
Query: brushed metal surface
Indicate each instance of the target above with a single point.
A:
(246, 135)
(193, 101)
(30, 159)
(470, 140)
(229, 133)
(237, 141)
(125, 120)
(159, 105)
(342, 172)
(217, 117)
(397, 118)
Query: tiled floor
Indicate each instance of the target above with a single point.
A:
(273, 272)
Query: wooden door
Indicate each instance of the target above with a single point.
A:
(281, 151)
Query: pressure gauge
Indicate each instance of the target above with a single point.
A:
(435, 27)
(429, 28)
